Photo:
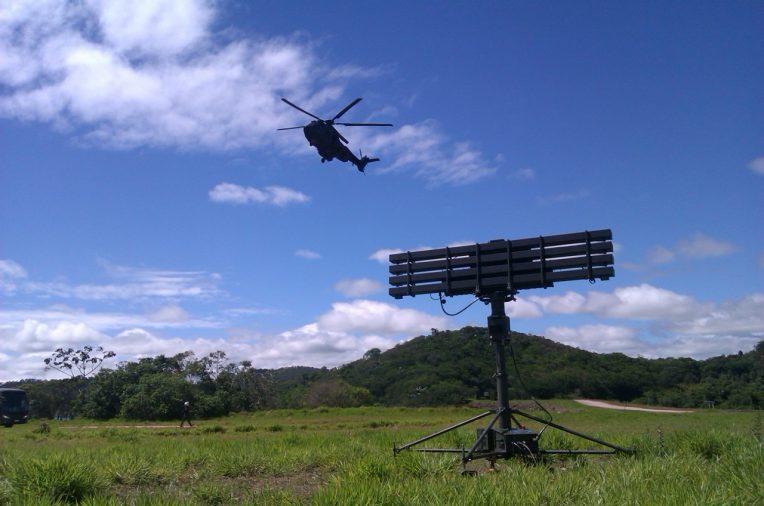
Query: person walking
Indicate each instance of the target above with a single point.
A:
(186, 414)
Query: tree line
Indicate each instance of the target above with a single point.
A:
(442, 368)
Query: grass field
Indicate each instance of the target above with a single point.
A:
(343, 456)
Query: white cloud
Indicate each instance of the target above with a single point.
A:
(640, 302)
(312, 345)
(307, 254)
(660, 255)
(687, 326)
(560, 198)
(599, 338)
(757, 165)
(383, 255)
(37, 336)
(171, 313)
(359, 287)
(10, 273)
(697, 246)
(11, 269)
(150, 73)
(739, 317)
(153, 27)
(136, 283)
(699, 347)
(371, 317)
(610, 339)
(703, 246)
(523, 308)
(342, 334)
(154, 73)
(425, 151)
(280, 196)
(105, 321)
(524, 174)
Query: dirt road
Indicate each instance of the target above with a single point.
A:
(611, 405)
(120, 427)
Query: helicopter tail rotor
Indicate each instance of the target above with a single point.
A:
(363, 161)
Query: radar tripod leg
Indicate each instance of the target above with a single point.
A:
(498, 331)
(398, 449)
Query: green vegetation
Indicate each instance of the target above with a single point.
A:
(331, 456)
(450, 367)
(443, 368)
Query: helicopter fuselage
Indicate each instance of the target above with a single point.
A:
(324, 138)
(329, 143)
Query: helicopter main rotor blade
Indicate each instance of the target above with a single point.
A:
(301, 109)
(364, 124)
(290, 128)
(346, 109)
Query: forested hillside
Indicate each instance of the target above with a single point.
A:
(445, 367)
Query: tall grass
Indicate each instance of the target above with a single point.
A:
(58, 478)
(335, 456)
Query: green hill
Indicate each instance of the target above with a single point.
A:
(451, 366)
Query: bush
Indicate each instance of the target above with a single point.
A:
(335, 392)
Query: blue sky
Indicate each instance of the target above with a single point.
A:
(148, 204)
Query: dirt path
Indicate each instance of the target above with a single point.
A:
(121, 427)
(611, 405)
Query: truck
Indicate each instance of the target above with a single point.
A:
(14, 406)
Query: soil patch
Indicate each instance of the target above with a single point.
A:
(612, 405)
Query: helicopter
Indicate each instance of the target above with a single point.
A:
(322, 135)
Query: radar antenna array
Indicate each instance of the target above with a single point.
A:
(494, 272)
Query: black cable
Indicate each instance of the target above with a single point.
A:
(443, 302)
(522, 383)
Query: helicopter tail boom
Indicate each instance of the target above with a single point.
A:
(364, 161)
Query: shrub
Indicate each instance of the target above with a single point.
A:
(336, 393)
